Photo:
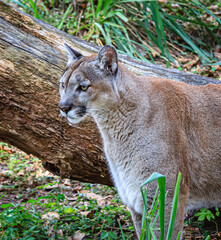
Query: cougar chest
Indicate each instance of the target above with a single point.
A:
(121, 160)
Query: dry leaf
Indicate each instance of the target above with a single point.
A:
(78, 235)
(49, 187)
(192, 63)
(84, 191)
(7, 149)
(60, 232)
(3, 174)
(85, 213)
(50, 232)
(21, 173)
(175, 5)
(213, 7)
(217, 55)
(71, 198)
(102, 201)
(88, 214)
(67, 182)
(77, 188)
(50, 216)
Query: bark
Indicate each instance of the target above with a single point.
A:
(32, 59)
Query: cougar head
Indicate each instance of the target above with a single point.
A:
(88, 82)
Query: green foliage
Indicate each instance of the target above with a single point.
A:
(103, 19)
(204, 213)
(25, 214)
(207, 214)
(26, 217)
(28, 5)
(142, 29)
(18, 221)
(108, 235)
(157, 209)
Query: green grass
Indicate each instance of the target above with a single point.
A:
(19, 222)
(157, 210)
(29, 194)
(146, 30)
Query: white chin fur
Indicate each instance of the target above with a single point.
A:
(63, 114)
(74, 120)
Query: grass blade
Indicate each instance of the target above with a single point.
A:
(22, 5)
(143, 231)
(99, 4)
(93, 9)
(178, 236)
(35, 9)
(200, 5)
(174, 208)
(69, 9)
(186, 38)
(108, 37)
(84, 26)
(122, 233)
(144, 196)
(101, 29)
(162, 188)
(159, 27)
(120, 15)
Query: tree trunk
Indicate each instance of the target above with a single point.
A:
(32, 59)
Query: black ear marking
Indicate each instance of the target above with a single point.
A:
(108, 59)
(73, 55)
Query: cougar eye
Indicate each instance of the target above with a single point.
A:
(84, 87)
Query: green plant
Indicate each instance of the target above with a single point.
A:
(166, 19)
(143, 29)
(29, 5)
(151, 216)
(105, 22)
(26, 210)
(207, 214)
(17, 221)
(108, 235)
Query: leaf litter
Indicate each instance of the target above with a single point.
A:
(84, 210)
(65, 209)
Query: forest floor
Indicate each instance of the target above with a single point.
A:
(35, 204)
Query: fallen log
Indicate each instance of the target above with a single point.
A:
(32, 59)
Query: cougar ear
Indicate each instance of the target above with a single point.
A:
(73, 55)
(108, 59)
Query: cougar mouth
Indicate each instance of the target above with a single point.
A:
(81, 111)
(75, 116)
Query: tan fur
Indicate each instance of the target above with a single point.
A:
(153, 125)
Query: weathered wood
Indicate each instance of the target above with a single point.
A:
(32, 59)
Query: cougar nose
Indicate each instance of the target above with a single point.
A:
(64, 108)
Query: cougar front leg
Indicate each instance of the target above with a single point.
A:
(137, 220)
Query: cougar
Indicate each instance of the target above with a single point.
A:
(148, 124)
